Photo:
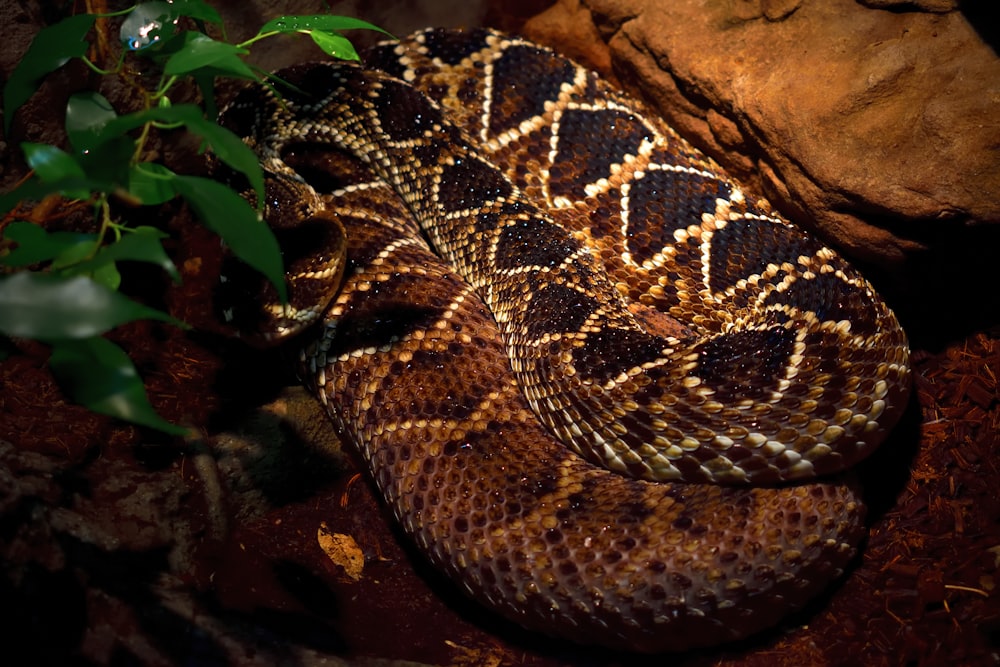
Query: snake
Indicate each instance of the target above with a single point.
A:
(607, 391)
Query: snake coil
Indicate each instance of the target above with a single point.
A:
(580, 362)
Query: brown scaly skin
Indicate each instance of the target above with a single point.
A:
(428, 379)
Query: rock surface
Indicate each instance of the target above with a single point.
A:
(880, 129)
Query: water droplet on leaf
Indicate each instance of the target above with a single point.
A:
(146, 24)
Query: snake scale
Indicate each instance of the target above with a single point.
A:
(594, 379)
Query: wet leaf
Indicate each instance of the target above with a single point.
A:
(34, 189)
(151, 24)
(335, 45)
(51, 49)
(205, 79)
(226, 145)
(232, 151)
(74, 254)
(98, 374)
(35, 244)
(200, 51)
(41, 306)
(232, 218)
(197, 9)
(151, 183)
(141, 244)
(107, 164)
(320, 22)
(86, 115)
(104, 274)
(51, 163)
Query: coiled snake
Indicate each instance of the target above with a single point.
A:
(567, 342)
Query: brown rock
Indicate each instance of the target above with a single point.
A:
(570, 25)
(879, 129)
(923, 5)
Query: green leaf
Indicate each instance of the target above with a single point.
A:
(201, 51)
(226, 145)
(335, 45)
(104, 274)
(102, 169)
(231, 150)
(98, 374)
(35, 244)
(151, 183)
(320, 22)
(41, 306)
(107, 163)
(74, 254)
(205, 79)
(120, 125)
(141, 244)
(196, 9)
(51, 163)
(228, 215)
(86, 115)
(162, 51)
(51, 49)
(34, 189)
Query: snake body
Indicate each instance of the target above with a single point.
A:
(567, 343)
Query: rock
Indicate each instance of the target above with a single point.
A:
(940, 6)
(879, 129)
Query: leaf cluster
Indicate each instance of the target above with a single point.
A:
(62, 287)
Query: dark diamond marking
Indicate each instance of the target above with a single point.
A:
(326, 168)
(606, 354)
(245, 116)
(558, 308)
(467, 93)
(491, 220)
(486, 222)
(533, 242)
(426, 155)
(524, 79)
(745, 247)
(452, 47)
(470, 183)
(590, 141)
(393, 320)
(745, 364)
(663, 201)
(310, 83)
(404, 112)
(384, 57)
(392, 309)
(830, 299)
(449, 392)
